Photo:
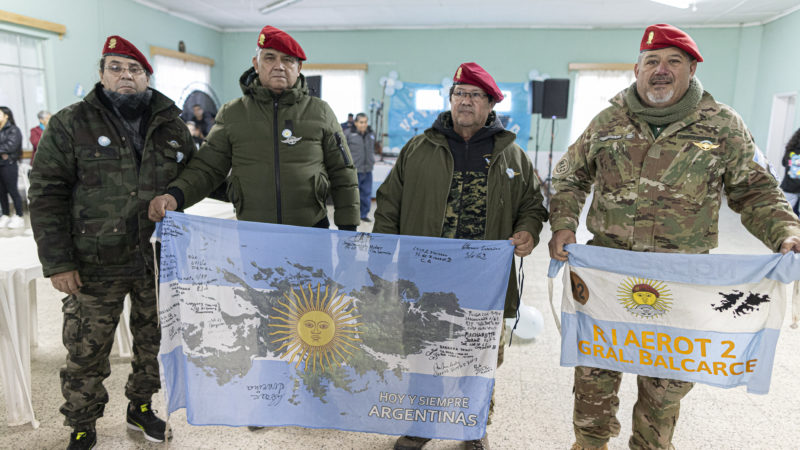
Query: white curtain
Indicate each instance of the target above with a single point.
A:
(172, 75)
(343, 90)
(593, 90)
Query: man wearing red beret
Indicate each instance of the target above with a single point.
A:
(464, 178)
(284, 149)
(98, 164)
(659, 159)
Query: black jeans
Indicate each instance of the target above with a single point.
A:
(8, 185)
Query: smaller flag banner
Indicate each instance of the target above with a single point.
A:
(712, 319)
(274, 325)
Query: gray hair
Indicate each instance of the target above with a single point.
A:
(42, 114)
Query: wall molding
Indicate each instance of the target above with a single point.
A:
(180, 55)
(19, 19)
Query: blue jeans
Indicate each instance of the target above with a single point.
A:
(365, 192)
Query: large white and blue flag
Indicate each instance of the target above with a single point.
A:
(712, 319)
(276, 325)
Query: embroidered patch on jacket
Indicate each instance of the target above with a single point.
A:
(562, 167)
(173, 143)
(705, 145)
(291, 140)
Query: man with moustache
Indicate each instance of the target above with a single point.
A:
(284, 149)
(99, 163)
(465, 178)
(659, 159)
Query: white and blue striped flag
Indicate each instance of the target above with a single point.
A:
(712, 319)
(276, 325)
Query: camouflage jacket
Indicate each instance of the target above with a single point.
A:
(413, 198)
(286, 154)
(89, 199)
(663, 194)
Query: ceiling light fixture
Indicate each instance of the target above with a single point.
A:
(683, 4)
(276, 6)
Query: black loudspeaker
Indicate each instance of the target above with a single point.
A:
(556, 98)
(314, 83)
(537, 96)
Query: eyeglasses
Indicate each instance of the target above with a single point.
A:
(464, 94)
(117, 69)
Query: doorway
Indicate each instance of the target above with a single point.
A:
(781, 127)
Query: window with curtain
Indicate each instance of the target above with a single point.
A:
(173, 75)
(342, 89)
(22, 80)
(593, 90)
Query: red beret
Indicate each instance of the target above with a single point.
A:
(118, 46)
(271, 37)
(645, 288)
(662, 35)
(472, 73)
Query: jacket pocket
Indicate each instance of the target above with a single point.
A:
(97, 165)
(234, 193)
(322, 187)
(691, 175)
(101, 241)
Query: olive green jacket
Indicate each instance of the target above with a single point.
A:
(286, 153)
(88, 197)
(413, 198)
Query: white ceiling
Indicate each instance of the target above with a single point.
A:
(243, 15)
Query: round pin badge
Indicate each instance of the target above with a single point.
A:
(104, 141)
(286, 133)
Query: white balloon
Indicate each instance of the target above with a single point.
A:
(533, 74)
(390, 82)
(398, 85)
(389, 91)
(393, 74)
(382, 81)
(545, 76)
(531, 323)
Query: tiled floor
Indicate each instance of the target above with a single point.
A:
(534, 400)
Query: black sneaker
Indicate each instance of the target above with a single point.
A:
(141, 418)
(80, 440)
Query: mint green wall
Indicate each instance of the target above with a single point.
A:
(427, 56)
(778, 71)
(74, 58)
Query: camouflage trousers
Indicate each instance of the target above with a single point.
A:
(654, 414)
(90, 320)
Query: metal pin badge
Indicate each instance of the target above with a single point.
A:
(173, 143)
(104, 141)
(179, 156)
(286, 133)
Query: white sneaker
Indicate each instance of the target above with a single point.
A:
(16, 222)
(4, 221)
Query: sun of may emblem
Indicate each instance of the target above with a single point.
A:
(315, 329)
(644, 297)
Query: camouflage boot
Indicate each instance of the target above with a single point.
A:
(577, 446)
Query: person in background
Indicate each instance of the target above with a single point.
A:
(362, 146)
(196, 135)
(10, 153)
(36, 132)
(203, 120)
(791, 181)
(349, 125)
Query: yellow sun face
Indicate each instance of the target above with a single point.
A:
(316, 328)
(644, 297)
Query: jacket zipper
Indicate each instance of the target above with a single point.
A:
(275, 140)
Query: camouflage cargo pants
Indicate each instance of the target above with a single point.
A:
(90, 320)
(654, 414)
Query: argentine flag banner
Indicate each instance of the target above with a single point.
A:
(712, 319)
(275, 325)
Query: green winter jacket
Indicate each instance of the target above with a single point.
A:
(413, 198)
(285, 153)
(88, 198)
